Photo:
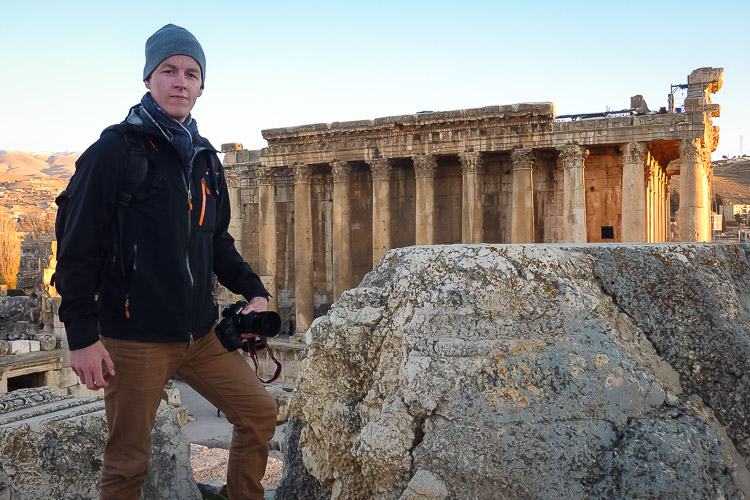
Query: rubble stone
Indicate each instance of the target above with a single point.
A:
(519, 371)
(47, 342)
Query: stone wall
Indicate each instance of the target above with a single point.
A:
(532, 371)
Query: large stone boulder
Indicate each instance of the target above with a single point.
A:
(533, 371)
(51, 447)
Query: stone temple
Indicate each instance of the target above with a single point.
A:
(322, 203)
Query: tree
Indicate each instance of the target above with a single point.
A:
(718, 201)
(37, 225)
(10, 252)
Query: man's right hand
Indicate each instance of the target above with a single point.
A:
(89, 364)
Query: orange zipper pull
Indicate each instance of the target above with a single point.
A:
(203, 206)
(127, 311)
(190, 200)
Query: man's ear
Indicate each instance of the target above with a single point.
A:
(147, 82)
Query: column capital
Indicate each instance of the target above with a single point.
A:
(573, 155)
(340, 170)
(265, 174)
(380, 168)
(472, 162)
(424, 165)
(302, 173)
(523, 158)
(635, 153)
(692, 150)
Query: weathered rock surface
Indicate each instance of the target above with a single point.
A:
(51, 447)
(536, 371)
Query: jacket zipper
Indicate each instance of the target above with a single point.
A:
(186, 180)
(132, 277)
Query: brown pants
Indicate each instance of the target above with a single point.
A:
(132, 397)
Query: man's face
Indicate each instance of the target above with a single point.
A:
(175, 85)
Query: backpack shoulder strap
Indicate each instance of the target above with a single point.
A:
(135, 170)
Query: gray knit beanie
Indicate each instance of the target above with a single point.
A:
(170, 41)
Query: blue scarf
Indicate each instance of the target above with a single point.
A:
(180, 134)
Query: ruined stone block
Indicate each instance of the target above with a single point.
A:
(4, 346)
(171, 394)
(182, 415)
(61, 380)
(231, 147)
(516, 371)
(53, 444)
(34, 346)
(18, 347)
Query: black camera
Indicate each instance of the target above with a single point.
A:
(265, 324)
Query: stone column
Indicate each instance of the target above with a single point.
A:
(267, 232)
(424, 172)
(342, 227)
(303, 251)
(574, 194)
(633, 192)
(662, 212)
(381, 171)
(650, 205)
(235, 204)
(693, 200)
(667, 211)
(522, 208)
(472, 165)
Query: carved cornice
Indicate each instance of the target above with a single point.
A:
(381, 169)
(523, 158)
(302, 174)
(536, 112)
(340, 170)
(635, 153)
(265, 174)
(472, 162)
(424, 165)
(573, 155)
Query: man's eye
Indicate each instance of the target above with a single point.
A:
(192, 75)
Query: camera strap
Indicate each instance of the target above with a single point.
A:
(252, 348)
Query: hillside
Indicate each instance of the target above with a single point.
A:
(732, 180)
(18, 165)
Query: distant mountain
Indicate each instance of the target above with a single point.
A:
(18, 164)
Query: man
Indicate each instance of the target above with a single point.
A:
(135, 282)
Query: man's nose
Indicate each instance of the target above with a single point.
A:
(180, 81)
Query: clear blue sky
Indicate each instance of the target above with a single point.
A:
(71, 68)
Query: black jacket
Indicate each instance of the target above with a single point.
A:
(158, 287)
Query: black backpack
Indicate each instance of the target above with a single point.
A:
(135, 173)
